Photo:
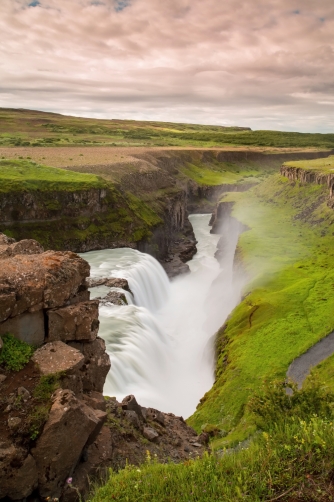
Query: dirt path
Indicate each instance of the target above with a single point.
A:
(301, 366)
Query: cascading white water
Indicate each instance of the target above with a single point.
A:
(146, 277)
(161, 348)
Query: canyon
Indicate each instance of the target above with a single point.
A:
(142, 205)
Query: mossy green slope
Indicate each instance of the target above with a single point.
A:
(18, 175)
(224, 173)
(289, 301)
(325, 166)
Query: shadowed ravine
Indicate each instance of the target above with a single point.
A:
(161, 347)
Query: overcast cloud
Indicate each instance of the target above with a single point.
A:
(267, 64)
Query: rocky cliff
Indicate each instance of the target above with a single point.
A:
(310, 176)
(57, 429)
(143, 203)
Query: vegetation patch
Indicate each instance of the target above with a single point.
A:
(19, 175)
(15, 354)
(217, 176)
(25, 128)
(325, 166)
(39, 413)
(287, 305)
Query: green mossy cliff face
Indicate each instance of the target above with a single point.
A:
(287, 306)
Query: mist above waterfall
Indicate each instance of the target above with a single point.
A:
(162, 346)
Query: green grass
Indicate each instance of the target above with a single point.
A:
(288, 254)
(220, 173)
(34, 128)
(292, 456)
(42, 394)
(321, 165)
(325, 372)
(18, 175)
(15, 354)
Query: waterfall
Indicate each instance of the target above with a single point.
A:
(161, 346)
(146, 277)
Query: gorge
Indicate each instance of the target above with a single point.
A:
(162, 348)
(246, 239)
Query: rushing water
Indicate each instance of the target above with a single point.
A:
(161, 344)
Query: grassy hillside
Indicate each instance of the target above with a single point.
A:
(18, 175)
(32, 128)
(288, 304)
(319, 165)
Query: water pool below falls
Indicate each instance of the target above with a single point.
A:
(161, 345)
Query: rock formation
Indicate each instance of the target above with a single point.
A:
(310, 176)
(56, 427)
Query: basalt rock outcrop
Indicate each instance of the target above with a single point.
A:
(44, 301)
(310, 176)
(32, 282)
(57, 430)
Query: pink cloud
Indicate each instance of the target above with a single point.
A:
(243, 62)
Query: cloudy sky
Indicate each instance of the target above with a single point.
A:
(266, 64)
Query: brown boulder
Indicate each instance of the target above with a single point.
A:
(55, 357)
(155, 415)
(65, 272)
(26, 246)
(18, 472)
(48, 279)
(28, 327)
(5, 240)
(60, 446)
(130, 403)
(96, 364)
(115, 297)
(111, 282)
(132, 417)
(101, 417)
(76, 322)
(118, 283)
(150, 434)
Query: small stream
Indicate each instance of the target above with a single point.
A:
(161, 344)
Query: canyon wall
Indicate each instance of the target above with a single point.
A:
(310, 176)
(146, 209)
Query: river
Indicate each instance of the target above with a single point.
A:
(161, 345)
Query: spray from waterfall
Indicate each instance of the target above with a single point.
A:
(161, 347)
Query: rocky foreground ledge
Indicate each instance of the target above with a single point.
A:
(57, 430)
